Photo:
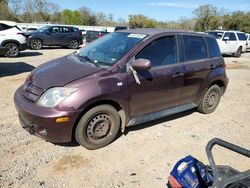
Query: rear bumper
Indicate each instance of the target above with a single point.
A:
(41, 121)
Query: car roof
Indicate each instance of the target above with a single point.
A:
(225, 31)
(152, 32)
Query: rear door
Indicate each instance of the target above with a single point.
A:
(229, 43)
(197, 66)
(160, 86)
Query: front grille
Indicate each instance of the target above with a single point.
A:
(31, 92)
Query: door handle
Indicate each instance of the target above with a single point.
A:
(178, 74)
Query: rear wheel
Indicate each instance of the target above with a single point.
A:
(210, 100)
(238, 52)
(12, 50)
(74, 44)
(98, 127)
(36, 44)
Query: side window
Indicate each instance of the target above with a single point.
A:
(160, 52)
(194, 47)
(4, 27)
(230, 35)
(65, 30)
(54, 30)
(1, 27)
(213, 47)
(242, 36)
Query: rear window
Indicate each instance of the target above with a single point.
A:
(194, 47)
(75, 29)
(242, 36)
(213, 47)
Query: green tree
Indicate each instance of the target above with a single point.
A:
(141, 21)
(205, 17)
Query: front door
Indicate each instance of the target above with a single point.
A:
(159, 87)
(229, 43)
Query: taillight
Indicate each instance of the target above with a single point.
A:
(100, 35)
(174, 183)
(20, 33)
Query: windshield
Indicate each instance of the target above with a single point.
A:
(43, 29)
(217, 35)
(110, 48)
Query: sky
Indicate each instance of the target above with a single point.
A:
(161, 10)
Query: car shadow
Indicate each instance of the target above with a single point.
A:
(10, 69)
(29, 53)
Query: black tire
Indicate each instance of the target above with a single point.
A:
(74, 44)
(210, 100)
(36, 44)
(238, 52)
(12, 50)
(98, 127)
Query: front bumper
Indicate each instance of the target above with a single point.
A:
(23, 46)
(3, 50)
(42, 121)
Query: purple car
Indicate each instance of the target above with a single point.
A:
(126, 78)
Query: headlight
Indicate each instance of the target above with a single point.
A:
(54, 96)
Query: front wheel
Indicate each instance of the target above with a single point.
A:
(12, 50)
(210, 100)
(98, 127)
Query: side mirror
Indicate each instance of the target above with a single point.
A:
(226, 38)
(141, 64)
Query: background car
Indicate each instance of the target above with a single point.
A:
(12, 38)
(93, 35)
(56, 36)
(248, 41)
(230, 42)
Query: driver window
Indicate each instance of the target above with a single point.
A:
(160, 52)
(230, 35)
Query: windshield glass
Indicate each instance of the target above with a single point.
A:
(110, 48)
(217, 35)
(43, 29)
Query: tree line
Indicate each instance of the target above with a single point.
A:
(205, 17)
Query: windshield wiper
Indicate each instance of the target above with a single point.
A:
(92, 61)
(86, 58)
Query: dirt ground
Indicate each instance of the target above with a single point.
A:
(143, 157)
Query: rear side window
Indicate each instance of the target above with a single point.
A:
(242, 36)
(75, 29)
(230, 35)
(160, 52)
(213, 47)
(195, 48)
(4, 27)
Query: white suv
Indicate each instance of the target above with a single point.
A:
(230, 42)
(248, 41)
(12, 38)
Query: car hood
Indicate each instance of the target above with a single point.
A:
(61, 71)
